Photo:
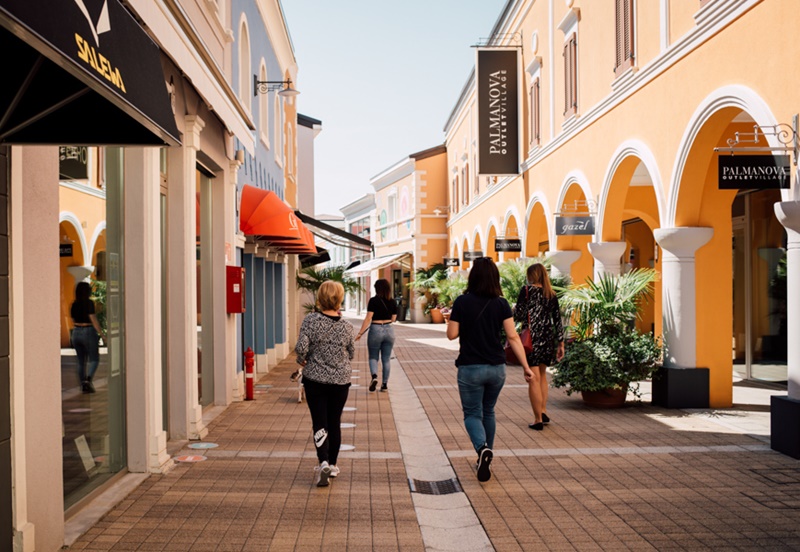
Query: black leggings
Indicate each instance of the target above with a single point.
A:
(326, 402)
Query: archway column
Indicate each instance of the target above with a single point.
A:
(785, 411)
(562, 261)
(678, 291)
(607, 257)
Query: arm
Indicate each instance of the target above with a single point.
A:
(521, 306)
(351, 345)
(97, 327)
(365, 324)
(452, 329)
(559, 328)
(303, 344)
(516, 346)
(394, 318)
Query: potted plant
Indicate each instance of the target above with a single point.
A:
(447, 290)
(310, 279)
(424, 284)
(607, 356)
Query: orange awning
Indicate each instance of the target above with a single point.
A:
(264, 215)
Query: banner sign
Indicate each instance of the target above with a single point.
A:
(498, 111)
(753, 172)
(451, 261)
(508, 244)
(575, 226)
(73, 163)
(65, 250)
(472, 255)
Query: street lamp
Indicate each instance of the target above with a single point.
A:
(284, 87)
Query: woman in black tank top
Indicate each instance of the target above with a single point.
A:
(381, 313)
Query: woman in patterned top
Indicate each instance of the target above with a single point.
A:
(325, 347)
(538, 303)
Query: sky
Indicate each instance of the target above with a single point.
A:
(383, 77)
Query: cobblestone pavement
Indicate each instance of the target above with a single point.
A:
(639, 478)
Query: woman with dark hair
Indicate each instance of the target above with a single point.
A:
(477, 319)
(85, 334)
(381, 312)
(537, 309)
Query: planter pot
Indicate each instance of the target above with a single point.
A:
(436, 316)
(607, 398)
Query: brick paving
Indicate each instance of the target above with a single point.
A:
(639, 478)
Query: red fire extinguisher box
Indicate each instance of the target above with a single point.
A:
(235, 289)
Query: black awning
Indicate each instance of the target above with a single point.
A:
(358, 240)
(322, 256)
(80, 72)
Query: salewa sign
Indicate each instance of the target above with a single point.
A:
(574, 226)
(498, 129)
(753, 172)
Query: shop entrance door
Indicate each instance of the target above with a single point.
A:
(5, 379)
(759, 288)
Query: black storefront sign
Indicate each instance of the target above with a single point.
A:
(754, 172)
(472, 255)
(575, 226)
(498, 111)
(80, 72)
(73, 162)
(451, 261)
(508, 244)
(65, 250)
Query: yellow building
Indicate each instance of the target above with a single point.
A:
(622, 104)
(409, 231)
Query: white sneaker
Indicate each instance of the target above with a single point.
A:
(334, 471)
(323, 473)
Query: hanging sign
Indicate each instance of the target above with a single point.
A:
(65, 250)
(753, 172)
(508, 244)
(472, 255)
(73, 163)
(451, 261)
(498, 111)
(575, 226)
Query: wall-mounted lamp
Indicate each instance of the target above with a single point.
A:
(441, 209)
(284, 87)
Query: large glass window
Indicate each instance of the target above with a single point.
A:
(92, 293)
(759, 288)
(205, 330)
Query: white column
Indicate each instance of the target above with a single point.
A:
(147, 440)
(788, 213)
(562, 261)
(607, 257)
(678, 292)
(186, 415)
(234, 320)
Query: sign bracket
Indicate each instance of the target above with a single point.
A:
(785, 134)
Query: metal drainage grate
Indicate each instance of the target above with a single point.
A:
(446, 486)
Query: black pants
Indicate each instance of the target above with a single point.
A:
(326, 402)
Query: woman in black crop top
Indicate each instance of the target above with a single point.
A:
(85, 334)
(381, 312)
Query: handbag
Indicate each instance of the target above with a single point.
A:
(524, 335)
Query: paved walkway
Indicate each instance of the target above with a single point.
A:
(639, 478)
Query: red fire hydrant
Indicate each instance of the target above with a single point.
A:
(249, 363)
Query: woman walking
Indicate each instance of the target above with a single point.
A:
(537, 309)
(85, 335)
(381, 313)
(325, 348)
(476, 319)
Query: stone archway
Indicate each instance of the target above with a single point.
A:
(491, 236)
(511, 230)
(537, 237)
(72, 256)
(574, 201)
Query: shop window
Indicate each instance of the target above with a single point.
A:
(624, 36)
(245, 79)
(536, 114)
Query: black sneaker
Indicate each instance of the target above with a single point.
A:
(374, 383)
(545, 418)
(484, 459)
(384, 389)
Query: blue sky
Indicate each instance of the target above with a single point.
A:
(382, 77)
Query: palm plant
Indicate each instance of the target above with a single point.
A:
(513, 275)
(425, 282)
(448, 289)
(310, 279)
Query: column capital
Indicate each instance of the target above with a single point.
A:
(788, 214)
(683, 241)
(191, 136)
(607, 253)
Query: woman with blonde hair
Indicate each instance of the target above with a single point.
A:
(537, 309)
(325, 347)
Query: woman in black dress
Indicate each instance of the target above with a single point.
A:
(537, 303)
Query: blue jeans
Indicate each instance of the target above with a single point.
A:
(479, 386)
(87, 348)
(380, 342)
